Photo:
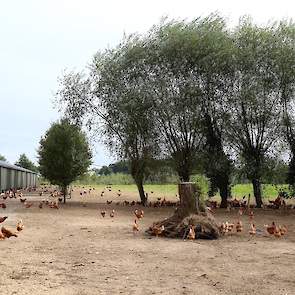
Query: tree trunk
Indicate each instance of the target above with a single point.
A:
(189, 198)
(64, 191)
(257, 192)
(188, 215)
(143, 198)
(224, 194)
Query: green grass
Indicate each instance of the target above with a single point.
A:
(269, 191)
(238, 191)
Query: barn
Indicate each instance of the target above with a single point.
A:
(14, 177)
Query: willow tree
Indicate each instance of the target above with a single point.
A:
(215, 72)
(176, 75)
(191, 73)
(285, 60)
(254, 110)
(114, 104)
(121, 97)
(175, 93)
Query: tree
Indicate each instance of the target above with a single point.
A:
(2, 158)
(254, 121)
(174, 89)
(120, 88)
(104, 170)
(285, 60)
(120, 167)
(64, 154)
(24, 162)
(118, 108)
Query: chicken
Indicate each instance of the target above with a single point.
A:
(28, 205)
(209, 210)
(3, 205)
(252, 231)
(223, 228)
(241, 211)
(139, 214)
(135, 227)
(112, 214)
(283, 229)
(20, 226)
(157, 230)
(230, 226)
(7, 233)
(239, 226)
(270, 228)
(277, 232)
(40, 205)
(2, 237)
(23, 200)
(54, 205)
(2, 219)
(109, 202)
(191, 234)
(103, 213)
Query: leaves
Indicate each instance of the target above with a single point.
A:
(64, 153)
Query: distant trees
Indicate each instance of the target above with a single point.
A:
(64, 154)
(194, 92)
(24, 162)
(117, 167)
(104, 170)
(2, 158)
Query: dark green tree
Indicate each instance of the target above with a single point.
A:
(104, 170)
(2, 158)
(24, 162)
(64, 154)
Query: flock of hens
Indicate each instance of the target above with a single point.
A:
(56, 197)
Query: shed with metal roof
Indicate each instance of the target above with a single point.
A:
(15, 177)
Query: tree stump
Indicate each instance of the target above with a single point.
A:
(190, 213)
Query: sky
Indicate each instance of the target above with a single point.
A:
(41, 39)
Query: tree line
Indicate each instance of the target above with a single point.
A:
(196, 92)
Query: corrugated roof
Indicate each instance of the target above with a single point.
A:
(10, 166)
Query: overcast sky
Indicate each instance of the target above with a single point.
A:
(41, 38)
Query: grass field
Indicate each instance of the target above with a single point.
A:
(170, 190)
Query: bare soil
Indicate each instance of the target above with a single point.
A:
(74, 251)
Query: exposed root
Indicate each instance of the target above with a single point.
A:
(178, 227)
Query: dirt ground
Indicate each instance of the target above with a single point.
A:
(74, 251)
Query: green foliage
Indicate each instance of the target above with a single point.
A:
(120, 167)
(2, 158)
(215, 101)
(64, 154)
(104, 170)
(24, 162)
(114, 178)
